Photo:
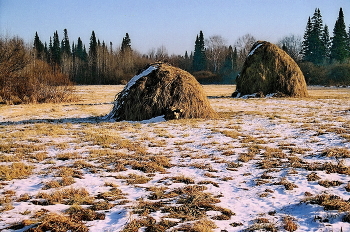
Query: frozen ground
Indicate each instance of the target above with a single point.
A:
(250, 170)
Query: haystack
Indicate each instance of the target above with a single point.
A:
(270, 70)
(161, 89)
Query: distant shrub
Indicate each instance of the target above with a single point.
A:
(339, 74)
(207, 77)
(314, 75)
(27, 80)
(331, 74)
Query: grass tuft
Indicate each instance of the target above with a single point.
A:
(15, 171)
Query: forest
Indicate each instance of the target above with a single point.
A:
(46, 71)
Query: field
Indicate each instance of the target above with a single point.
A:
(271, 164)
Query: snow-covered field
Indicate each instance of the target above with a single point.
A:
(265, 165)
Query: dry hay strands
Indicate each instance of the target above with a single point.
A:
(158, 90)
(270, 70)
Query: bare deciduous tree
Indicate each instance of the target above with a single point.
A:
(292, 44)
(243, 45)
(162, 53)
(216, 52)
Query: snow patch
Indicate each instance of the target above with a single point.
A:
(252, 51)
(137, 77)
(155, 119)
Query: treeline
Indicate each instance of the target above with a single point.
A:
(211, 61)
(99, 64)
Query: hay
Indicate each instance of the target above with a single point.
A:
(270, 70)
(161, 89)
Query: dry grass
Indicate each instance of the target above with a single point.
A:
(329, 183)
(313, 176)
(64, 181)
(112, 195)
(15, 171)
(67, 196)
(150, 225)
(337, 152)
(203, 225)
(288, 185)
(78, 213)
(183, 179)
(59, 223)
(289, 224)
(329, 202)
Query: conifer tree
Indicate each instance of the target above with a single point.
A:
(199, 58)
(306, 51)
(339, 49)
(93, 57)
(93, 46)
(65, 43)
(349, 40)
(79, 50)
(126, 44)
(49, 52)
(56, 49)
(326, 43)
(318, 49)
(38, 47)
(314, 47)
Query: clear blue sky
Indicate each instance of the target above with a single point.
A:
(171, 23)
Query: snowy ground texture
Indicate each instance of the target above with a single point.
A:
(264, 165)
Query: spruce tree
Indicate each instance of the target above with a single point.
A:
(316, 45)
(93, 58)
(126, 44)
(49, 56)
(56, 49)
(93, 46)
(199, 58)
(79, 50)
(339, 49)
(65, 43)
(306, 51)
(326, 43)
(349, 40)
(38, 47)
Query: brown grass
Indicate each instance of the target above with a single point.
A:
(329, 183)
(15, 171)
(313, 176)
(112, 195)
(337, 152)
(203, 225)
(67, 196)
(329, 202)
(150, 225)
(288, 185)
(78, 213)
(289, 224)
(59, 223)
